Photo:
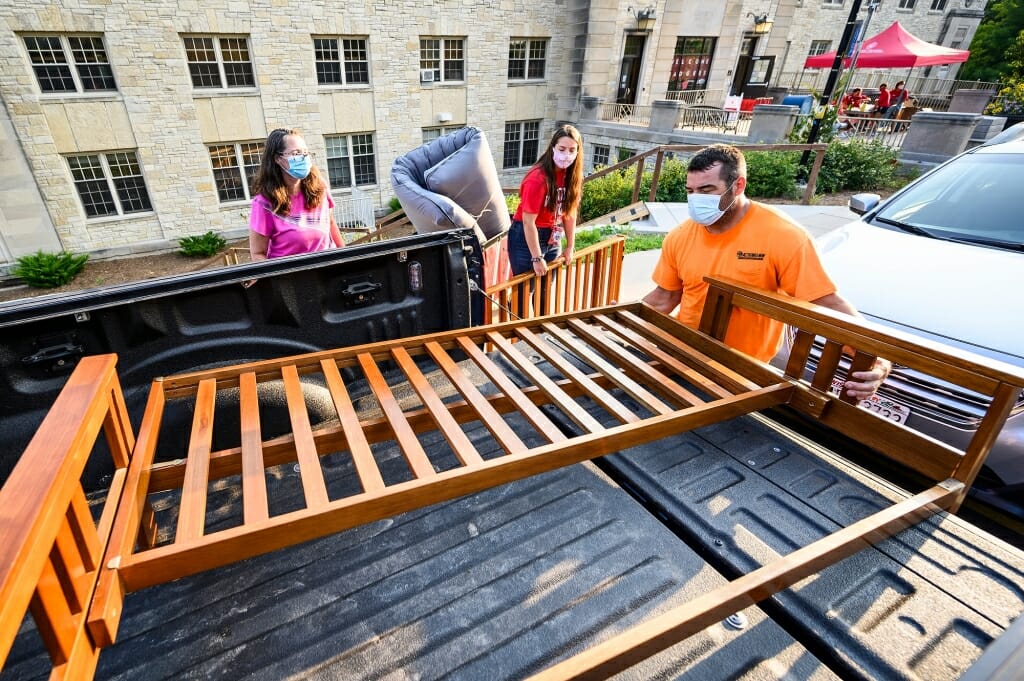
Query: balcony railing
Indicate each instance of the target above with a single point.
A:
(694, 97)
(627, 114)
(714, 119)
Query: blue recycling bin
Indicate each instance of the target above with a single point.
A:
(805, 102)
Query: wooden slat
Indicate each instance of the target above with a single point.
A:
(827, 365)
(612, 372)
(358, 447)
(118, 428)
(798, 354)
(405, 436)
(80, 523)
(452, 431)
(70, 569)
(601, 396)
(862, 361)
(489, 416)
(313, 486)
(54, 619)
(254, 473)
(557, 396)
(668, 360)
(192, 513)
(172, 561)
(984, 438)
(634, 366)
(637, 644)
(695, 355)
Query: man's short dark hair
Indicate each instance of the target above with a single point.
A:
(734, 166)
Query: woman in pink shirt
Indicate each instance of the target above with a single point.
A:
(291, 212)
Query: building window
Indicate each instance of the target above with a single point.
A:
(342, 61)
(626, 152)
(958, 38)
(938, 5)
(445, 57)
(350, 160)
(430, 134)
(110, 184)
(691, 63)
(70, 63)
(234, 169)
(833, 3)
(219, 62)
(819, 47)
(907, 4)
(522, 143)
(601, 154)
(526, 58)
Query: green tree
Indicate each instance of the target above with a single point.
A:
(997, 50)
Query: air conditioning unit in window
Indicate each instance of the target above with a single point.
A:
(426, 75)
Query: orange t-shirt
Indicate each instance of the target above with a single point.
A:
(765, 249)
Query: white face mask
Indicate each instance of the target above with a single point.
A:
(703, 208)
(563, 159)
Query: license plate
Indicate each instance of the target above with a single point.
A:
(882, 406)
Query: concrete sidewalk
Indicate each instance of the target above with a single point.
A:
(637, 267)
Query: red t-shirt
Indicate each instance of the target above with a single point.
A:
(533, 192)
(883, 98)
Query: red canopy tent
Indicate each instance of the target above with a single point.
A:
(893, 48)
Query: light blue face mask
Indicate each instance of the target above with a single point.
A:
(703, 208)
(298, 166)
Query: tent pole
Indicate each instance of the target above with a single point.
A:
(830, 84)
(872, 6)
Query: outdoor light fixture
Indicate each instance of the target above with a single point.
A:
(762, 24)
(644, 18)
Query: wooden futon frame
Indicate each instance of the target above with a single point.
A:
(73, 572)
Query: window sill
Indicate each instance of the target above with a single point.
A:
(73, 97)
(225, 92)
(119, 218)
(443, 84)
(514, 82)
(326, 88)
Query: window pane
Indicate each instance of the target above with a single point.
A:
(517, 59)
(92, 187)
(237, 67)
(131, 187)
(453, 63)
(226, 173)
(512, 142)
(531, 142)
(50, 64)
(92, 64)
(338, 171)
(357, 62)
(328, 61)
(202, 62)
(430, 55)
(362, 153)
(691, 63)
(252, 155)
(538, 49)
(430, 134)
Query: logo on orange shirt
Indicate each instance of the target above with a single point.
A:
(743, 255)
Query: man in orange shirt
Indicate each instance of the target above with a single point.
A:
(731, 236)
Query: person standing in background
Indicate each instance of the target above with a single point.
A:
(549, 200)
(884, 99)
(291, 212)
(897, 96)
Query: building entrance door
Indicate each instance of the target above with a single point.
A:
(629, 73)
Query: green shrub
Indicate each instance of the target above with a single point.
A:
(857, 165)
(394, 204)
(606, 194)
(772, 174)
(48, 270)
(512, 202)
(203, 245)
(634, 241)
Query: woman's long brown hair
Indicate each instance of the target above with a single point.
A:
(573, 174)
(270, 178)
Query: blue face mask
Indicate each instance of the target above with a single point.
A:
(299, 166)
(703, 208)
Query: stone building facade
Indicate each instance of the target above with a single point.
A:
(145, 157)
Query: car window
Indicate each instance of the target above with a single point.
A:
(975, 197)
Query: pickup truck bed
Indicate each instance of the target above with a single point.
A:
(508, 581)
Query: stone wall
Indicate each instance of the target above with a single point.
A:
(157, 113)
